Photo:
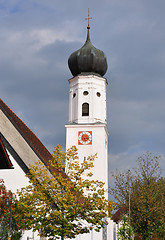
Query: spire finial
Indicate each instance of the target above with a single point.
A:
(88, 18)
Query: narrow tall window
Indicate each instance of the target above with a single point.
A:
(85, 109)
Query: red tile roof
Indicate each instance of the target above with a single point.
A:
(118, 214)
(33, 141)
(5, 162)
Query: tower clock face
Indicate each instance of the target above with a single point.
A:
(85, 137)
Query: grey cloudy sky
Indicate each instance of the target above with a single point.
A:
(36, 39)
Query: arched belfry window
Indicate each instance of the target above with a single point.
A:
(85, 109)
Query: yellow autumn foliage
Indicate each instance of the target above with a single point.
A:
(65, 205)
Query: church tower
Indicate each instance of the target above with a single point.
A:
(87, 126)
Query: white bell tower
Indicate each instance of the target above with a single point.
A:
(87, 126)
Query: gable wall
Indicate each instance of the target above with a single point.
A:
(15, 141)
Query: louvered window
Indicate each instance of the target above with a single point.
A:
(85, 109)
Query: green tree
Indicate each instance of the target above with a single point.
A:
(6, 197)
(64, 205)
(125, 231)
(146, 189)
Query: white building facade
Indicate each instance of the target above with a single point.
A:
(87, 128)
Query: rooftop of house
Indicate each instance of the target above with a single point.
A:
(32, 140)
(118, 214)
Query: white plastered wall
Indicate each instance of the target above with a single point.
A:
(99, 146)
(97, 104)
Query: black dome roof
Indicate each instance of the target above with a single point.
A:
(87, 60)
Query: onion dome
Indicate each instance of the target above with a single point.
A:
(87, 60)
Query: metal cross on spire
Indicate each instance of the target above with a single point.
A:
(88, 18)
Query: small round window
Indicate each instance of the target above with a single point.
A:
(85, 93)
(74, 95)
(98, 94)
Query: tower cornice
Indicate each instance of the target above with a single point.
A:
(88, 76)
(91, 125)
